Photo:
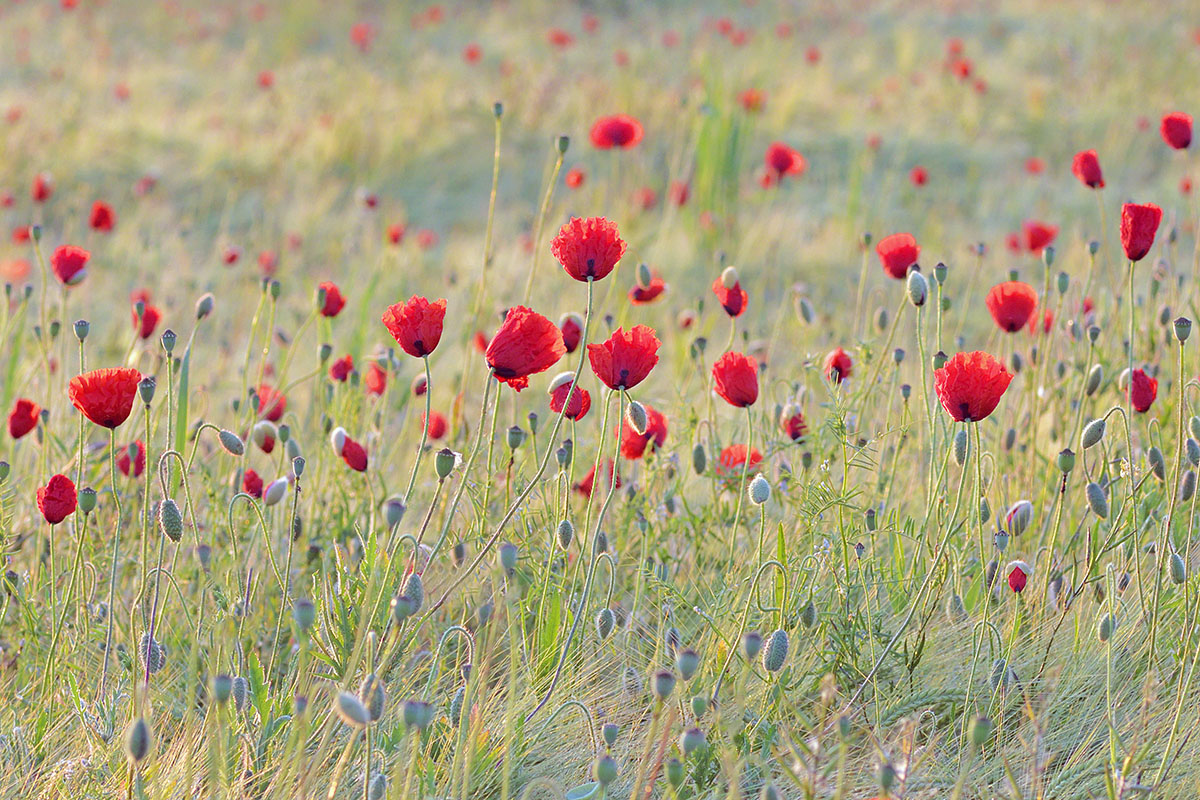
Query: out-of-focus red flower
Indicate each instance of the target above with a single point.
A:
(230, 255)
(252, 484)
(268, 262)
(416, 325)
(897, 253)
(105, 396)
(574, 178)
(641, 295)
(437, 426)
(679, 192)
(571, 326)
(736, 459)
(919, 176)
(559, 38)
(1142, 391)
(1086, 167)
(56, 500)
(395, 232)
(427, 239)
(341, 368)
(266, 79)
(610, 478)
(1047, 321)
(23, 418)
(618, 130)
(21, 234)
(146, 323)
(735, 379)
(1176, 130)
(732, 298)
(590, 23)
(813, 54)
(334, 302)
(1139, 224)
(970, 385)
(1012, 304)
(355, 455)
(69, 264)
(634, 444)
(103, 219)
(752, 100)
(137, 464)
(375, 380)
(362, 34)
(1185, 185)
(526, 343)
(1035, 165)
(1036, 235)
(271, 403)
(472, 53)
(838, 366)
(43, 187)
(782, 160)
(793, 425)
(626, 358)
(588, 248)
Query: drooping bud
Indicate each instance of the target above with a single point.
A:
(636, 416)
(170, 520)
(304, 613)
(351, 711)
(1093, 432)
(960, 448)
(275, 491)
(699, 459)
(752, 642)
(565, 533)
(1097, 500)
(1095, 376)
(605, 622)
(1178, 569)
(776, 651)
(137, 740)
(231, 443)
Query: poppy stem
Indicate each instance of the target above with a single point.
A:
(741, 489)
(112, 578)
(412, 480)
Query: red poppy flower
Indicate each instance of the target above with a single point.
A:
(560, 38)
(150, 316)
(575, 177)
(1139, 224)
(571, 326)
(1047, 321)
(626, 358)
(679, 192)
(572, 401)
(634, 444)
(472, 53)
(355, 455)
(341, 368)
(266, 79)
(609, 476)
(69, 264)
(20, 234)
(588, 248)
(1035, 165)
(732, 298)
(23, 418)
(970, 385)
(362, 34)
(641, 295)
(897, 253)
(395, 232)
(43, 187)
(526, 344)
(919, 176)
(620, 130)
(105, 396)
(1142, 391)
(838, 366)
(1176, 130)
(735, 378)
(416, 325)
(436, 428)
(732, 462)
(375, 380)
(1012, 304)
(252, 484)
(1086, 167)
(230, 255)
(268, 262)
(138, 463)
(645, 198)
(1037, 235)
(103, 218)
(752, 100)
(334, 302)
(427, 239)
(794, 426)
(783, 160)
(56, 500)
(263, 434)
(271, 403)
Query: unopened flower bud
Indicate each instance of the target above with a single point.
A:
(204, 305)
(729, 277)
(1097, 500)
(275, 491)
(1093, 432)
(760, 490)
(775, 652)
(137, 740)
(918, 288)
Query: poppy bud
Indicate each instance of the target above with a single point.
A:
(676, 773)
(918, 288)
(1177, 568)
(298, 466)
(609, 732)
(605, 622)
(516, 436)
(1066, 461)
(1187, 485)
(413, 588)
(1019, 516)
(699, 705)
(508, 557)
(939, 273)
(402, 608)
(1183, 329)
(664, 684)
(887, 777)
(444, 462)
(1105, 627)
(293, 449)
(1001, 674)
(955, 609)
(204, 305)
(866, 239)
(378, 787)
(1097, 500)
(643, 275)
(870, 519)
(137, 740)
(146, 388)
(806, 310)
(87, 500)
(981, 730)
(304, 613)
(563, 456)
(372, 695)
(275, 491)
(760, 490)
(960, 448)
(1095, 376)
(82, 327)
(776, 651)
(1192, 447)
(729, 277)
(635, 415)
(881, 319)
(1093, 432)
(231, 442)
(417, 714)
(699, 459)
(604, 769)
(939, 359)
(561, 143)
(1017, 362)
(1158, 464)
(687, 662)
(751, 643)
(222, 686)
(565, 533)
(274, 287)
(985, 511)
(808, 614)
(170, 520)
(1048, 255)
(693, 740)
(533, 422)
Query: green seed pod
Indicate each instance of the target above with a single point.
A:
(304, 613)
(871, 522)
(692, 741)
(687, 662)
(981, 730)
(1105, 627)
(82, 328)
(1093, 432)
(1187, 485)
(87, 500)
(808, 614)
(1158, 464)
(939, 273)
(170, 520)
(137, 740)
(393, 511)
(664, 684)
(776, 651)
(898, 356)
(1178, 569)
(222, 687)
(297, 465)
(565, 533)
(635, 415)
(416, 714)
(561, 143)
(1064, 282)
(372, 695)
(676, 774)
(609, 731)
(760, 490)
(1183, 329)
(605, 622)
(699, 705)
(414, 589)
(752, 642)
(516, 437)
(1095, 376)
(146, 387)
(844, 728)
(699, 459)
(939, 358)
(444, 462)
(1097, 500)
(1066, 461)
(604, 769)
(918, 288)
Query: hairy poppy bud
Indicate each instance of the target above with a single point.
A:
(231, 443)
(1064, 282)
(775, 652)
(1093, 432)
(1095, 376)
(351, 710)
(1177, 568)
(664, 684)
(417, 714)
(508, 557)
(751, 643)
(304, 613)
(981, 730)
(693, 740)
(1187, 485)
(635, 415)
(807, 313)
(393, 511)
(170, 520)
(1105, 627)
(222, 686)
(1097, 500)
(414, 589)
(760, 490)
(918, 288)
(1158, 464)
(699, 459)
(372, 695)
(137, 740)
(204, 305)
(687, 662)
(605, 622)
(275, 491)
(869, 517)
(699, 705)
(565, 533)
(604, 769)
(240, 692)
(676, 773)
(960, 448)
(609, 732)
(808, 614)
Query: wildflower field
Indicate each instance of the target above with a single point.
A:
(527, 399)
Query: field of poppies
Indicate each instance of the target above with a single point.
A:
(583, 400)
